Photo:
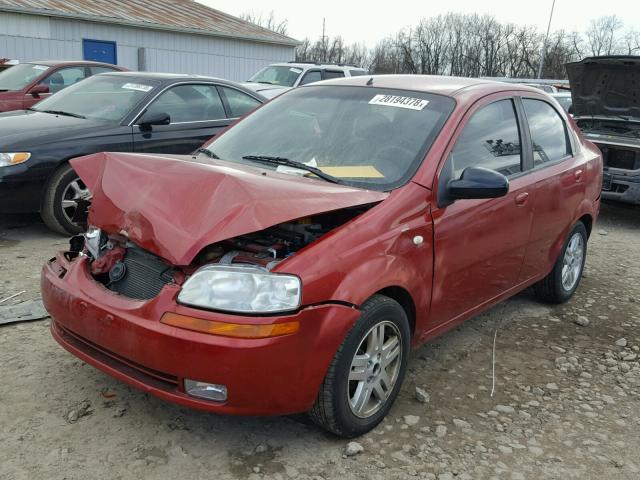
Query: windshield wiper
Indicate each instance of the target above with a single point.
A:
(293, 164)
(60, 112)
(207, 152)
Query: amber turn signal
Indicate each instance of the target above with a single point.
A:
(224, 329)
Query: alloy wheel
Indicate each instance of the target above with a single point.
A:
(572, 262)
(75, 191)
(374, 369)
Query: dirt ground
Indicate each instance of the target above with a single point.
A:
(566, 402)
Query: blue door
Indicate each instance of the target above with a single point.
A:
(100, 51)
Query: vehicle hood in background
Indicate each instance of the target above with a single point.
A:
(605, 86)
(176, 206)
(22, 129)
(266, 90)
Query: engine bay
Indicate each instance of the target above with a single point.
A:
(125, 268)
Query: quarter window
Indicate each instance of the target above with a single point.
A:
(239, 102)
(548, 132)
(190, 103)
(490, 139)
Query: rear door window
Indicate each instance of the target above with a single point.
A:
(97, 70)
(490, 139)
(190, 103)
(239, 102)
(548, 132)
(333, 74)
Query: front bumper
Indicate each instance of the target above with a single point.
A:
(125, 339)
(622, 187)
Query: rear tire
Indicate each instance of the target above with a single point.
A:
(62, 189)
(560, 285)
(366, 374)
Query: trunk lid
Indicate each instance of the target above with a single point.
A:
(175, 206)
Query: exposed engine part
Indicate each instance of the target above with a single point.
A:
(269, 247)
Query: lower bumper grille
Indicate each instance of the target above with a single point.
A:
(154, 378)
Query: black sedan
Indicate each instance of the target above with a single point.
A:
(113, 112)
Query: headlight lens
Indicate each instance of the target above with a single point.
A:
(241, 289)
(7, 159)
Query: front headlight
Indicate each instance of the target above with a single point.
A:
(241, 289)
(7, 159)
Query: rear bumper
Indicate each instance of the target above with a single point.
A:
(125, 339)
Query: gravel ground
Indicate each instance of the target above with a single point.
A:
(566, 402)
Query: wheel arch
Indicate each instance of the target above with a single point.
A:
(404, 298)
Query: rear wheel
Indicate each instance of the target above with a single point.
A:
(60, 202)
(367, 371)
(560, 285)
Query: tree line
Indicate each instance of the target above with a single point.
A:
(472, 45)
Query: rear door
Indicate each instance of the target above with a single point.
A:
(560, 176)
(479, 245)
(197, 113)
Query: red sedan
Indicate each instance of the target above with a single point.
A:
(290, 264)
(25, 84)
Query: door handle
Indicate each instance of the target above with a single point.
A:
(521, 198)
(578, 175)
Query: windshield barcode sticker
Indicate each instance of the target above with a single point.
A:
(137, 86)
(398, 101)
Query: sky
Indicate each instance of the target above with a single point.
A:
(368, 22)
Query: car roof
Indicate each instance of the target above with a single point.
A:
(442, 85)
(177, 77)
(164, 76)
(56, 63)
(317, 65)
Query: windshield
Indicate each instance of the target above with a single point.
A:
(363, 136)
(277, 75)
(19, 76)
(101, 97)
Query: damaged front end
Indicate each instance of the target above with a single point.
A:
(233, 275)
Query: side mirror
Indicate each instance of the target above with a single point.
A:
(39, 90)
(478, 182)
(154, 118)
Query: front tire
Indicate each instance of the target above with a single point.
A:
(367, 371)
(560, 285)
(59, 203)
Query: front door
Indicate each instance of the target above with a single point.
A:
(197, 113)
(479, 245)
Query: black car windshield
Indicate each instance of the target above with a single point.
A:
(19, 76)
(283, 75)
(363, 136)
(101, 97)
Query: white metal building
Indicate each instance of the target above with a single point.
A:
(177, 36)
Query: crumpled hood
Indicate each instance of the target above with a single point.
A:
(605, 86)
(176, 206)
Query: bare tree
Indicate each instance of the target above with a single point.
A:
(269, 22)
(474, 46)
(603, 35)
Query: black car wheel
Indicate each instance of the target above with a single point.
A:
(60, 203)
(367, 371)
